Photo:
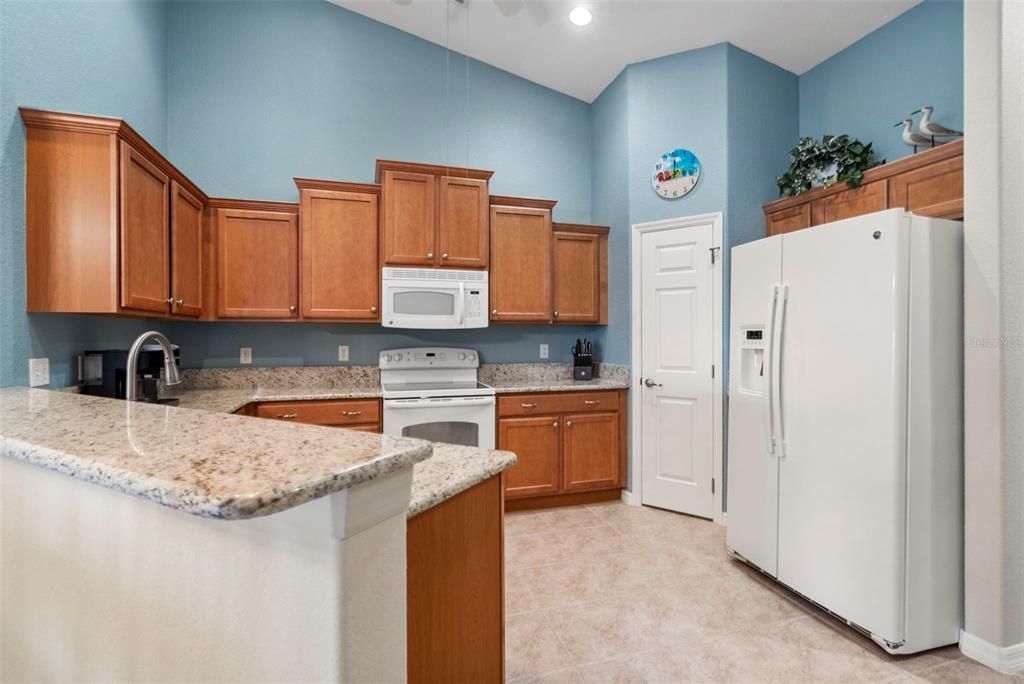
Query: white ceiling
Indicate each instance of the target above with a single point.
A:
(534, 39)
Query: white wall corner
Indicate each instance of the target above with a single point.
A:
(1005, 659)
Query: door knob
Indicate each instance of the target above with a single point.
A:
(650, 383)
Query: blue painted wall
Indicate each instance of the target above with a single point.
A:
(914, 60)
(91, 57)
(310, 89)
(610, 202)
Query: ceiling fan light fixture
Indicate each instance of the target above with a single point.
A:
(580, 16)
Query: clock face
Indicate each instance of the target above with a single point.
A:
(675, 173)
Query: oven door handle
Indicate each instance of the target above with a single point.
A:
(438, 403)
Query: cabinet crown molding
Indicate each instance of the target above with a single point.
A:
(431, 169)
(340, 186)
(580, 228)
(528, 202)
(252, 205)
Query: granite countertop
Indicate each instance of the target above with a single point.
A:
(514, 385)
(451, 470)
(209, 464)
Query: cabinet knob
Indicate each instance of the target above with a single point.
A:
(494, 312)
(373, 309)
(445, 256)
(556, 314)
(287, 416)
(555, 424)
(430, 256)
(292, 308)
(179, 302)
(170, 300)
(568, 423)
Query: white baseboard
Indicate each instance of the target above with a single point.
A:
(629, 499)
(1005, 659)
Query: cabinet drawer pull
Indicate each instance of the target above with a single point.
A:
(591, 402)
(528, 406)
(351, 413)
(287, 416)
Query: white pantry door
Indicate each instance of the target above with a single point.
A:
(677, 353)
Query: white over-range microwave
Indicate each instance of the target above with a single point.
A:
(434, 298)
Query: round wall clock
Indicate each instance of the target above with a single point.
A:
(675, 173)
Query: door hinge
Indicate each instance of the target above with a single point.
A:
(712, 485)
(714, 253)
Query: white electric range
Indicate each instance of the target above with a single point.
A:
(432, 393)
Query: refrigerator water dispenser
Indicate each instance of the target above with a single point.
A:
(752, 360)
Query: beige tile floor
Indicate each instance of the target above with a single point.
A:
(616, 593)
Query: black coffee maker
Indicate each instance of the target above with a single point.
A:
(104, 373)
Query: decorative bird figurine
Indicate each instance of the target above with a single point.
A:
(910, 137)
(935, 130)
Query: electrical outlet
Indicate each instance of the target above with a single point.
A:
(543, 351)
(38, 372)
(245, 355)
(343, 352)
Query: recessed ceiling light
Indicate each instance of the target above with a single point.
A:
(580, 16)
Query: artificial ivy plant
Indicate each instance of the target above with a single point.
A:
(812, 163)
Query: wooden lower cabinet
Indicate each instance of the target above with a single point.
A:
(535, 441)
(568, 444)
(363, 415)
(590, 452)
(455, 597)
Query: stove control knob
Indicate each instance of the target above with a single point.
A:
(387, 357)
(472, 356)
(462, 356)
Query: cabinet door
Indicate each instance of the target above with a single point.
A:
(934, 190)
(409, 218)
(865, 199)
(788, 220)
(144, 194)
(590, 452)
(535, 441)
(257, 264)
(340, 275)
(576, 278)
(462, 231)
(186, 252)
(520, 273)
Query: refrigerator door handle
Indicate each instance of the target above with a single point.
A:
(769, 413)
(778, 369)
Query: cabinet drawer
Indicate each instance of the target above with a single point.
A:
(345, 412)
(557, 402)
(372, 427)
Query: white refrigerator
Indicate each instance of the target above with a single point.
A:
(845, 451)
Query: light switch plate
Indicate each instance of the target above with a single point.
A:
(245, 355)
(38, 372)
(343, 352)
(543, 351)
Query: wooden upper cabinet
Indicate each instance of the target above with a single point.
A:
(409, 218)
(339, 271)
(930, 183)
(100, 202)
(580, 273)
(433, 216)
(535, 440)
(590, 451)
(462, 233)
(186, 252)
(865, 199)
(788, 219)
(520, 271)
(144, 195)
(257, 259)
